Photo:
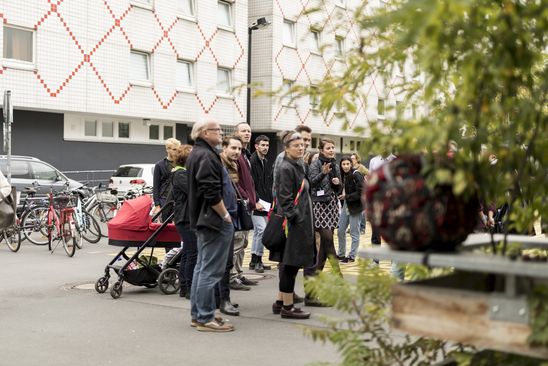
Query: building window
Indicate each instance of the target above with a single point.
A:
(140, 66)
(287, 93)
(107, 129)
(339, 42)
(185, 7)
(18, 44)
(154, 132)
(224, 84)
(143, 3)
(380, 107)
(315, 41)
(289, 33)
(168, 132)
(123, 130)
(185, 74)
(224, 14)
(90, 128)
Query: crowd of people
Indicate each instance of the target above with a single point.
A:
(212, 189)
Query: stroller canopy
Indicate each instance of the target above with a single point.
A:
(133, 215)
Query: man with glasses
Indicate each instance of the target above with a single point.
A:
(162, 173)
(212, 221)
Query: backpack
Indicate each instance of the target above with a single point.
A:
(410, 216)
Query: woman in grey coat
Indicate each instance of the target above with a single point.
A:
(325, 180)
(292, 186)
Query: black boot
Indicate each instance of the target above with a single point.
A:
(253, 261)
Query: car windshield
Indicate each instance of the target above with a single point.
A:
(128, 171)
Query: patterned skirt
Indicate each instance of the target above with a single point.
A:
(326, 214)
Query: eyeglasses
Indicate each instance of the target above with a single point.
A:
(215, 129)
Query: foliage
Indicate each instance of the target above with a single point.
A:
(478, 69)
(364, 338)
(538, 310)
(489, 358)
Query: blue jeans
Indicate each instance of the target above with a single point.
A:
(344, 220)
(259, 224)
(213, 250)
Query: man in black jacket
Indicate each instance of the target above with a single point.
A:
(212, 222)
(261, 172)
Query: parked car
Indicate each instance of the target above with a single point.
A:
(129, 175)
(27, 171)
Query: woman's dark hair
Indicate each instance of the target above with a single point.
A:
(183, 152)
(324, 141)
(343, 174)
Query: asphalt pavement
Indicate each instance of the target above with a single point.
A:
(50, 314)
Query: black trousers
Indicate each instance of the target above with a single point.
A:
(287, 279)
(188, 256)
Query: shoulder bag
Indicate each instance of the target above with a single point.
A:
(7, 210)
(275, 232)
(243, 221)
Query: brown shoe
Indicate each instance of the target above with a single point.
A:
(214, 326)
(276, 309)
(194, 323)
(294, 313)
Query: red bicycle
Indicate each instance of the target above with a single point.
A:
(62, 226)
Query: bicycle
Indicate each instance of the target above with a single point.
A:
(11, 234)
(62, 226)
(32, 218)
(86, 224)
(103, 206)
(12, 237)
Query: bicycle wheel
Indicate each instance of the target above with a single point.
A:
(69, 239)
(91, 231)
(78, 232)
(34, 225)
(53, 233)
(12, 237)
(103, 212)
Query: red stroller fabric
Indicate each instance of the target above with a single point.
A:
(133, 225)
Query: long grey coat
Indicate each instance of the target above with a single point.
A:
(299, 247)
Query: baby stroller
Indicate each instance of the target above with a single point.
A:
(133, 227)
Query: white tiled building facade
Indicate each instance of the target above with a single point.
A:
(124, 75)
(167, 61)
(302, 47)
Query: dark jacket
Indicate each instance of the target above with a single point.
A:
(179, 195)
(261, 171)
(299, 247)
(353, 184)
(245, 184)
(161, 181)
(322, 182)
(205, 186)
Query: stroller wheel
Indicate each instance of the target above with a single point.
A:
(116, 290)
(101, 285)
(168, 281)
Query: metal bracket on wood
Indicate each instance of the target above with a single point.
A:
(509, 309)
